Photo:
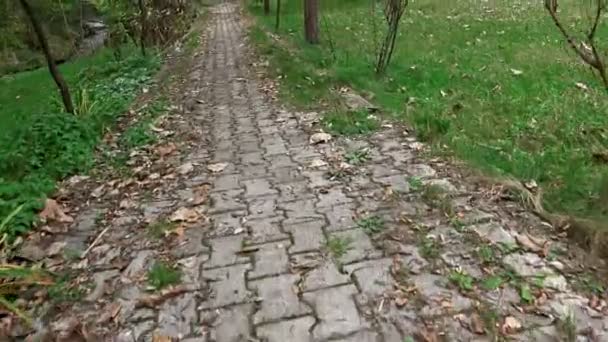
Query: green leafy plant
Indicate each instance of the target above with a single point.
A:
(462, 280)
(351, 123)
(338, 246)
(162, 275)
(357, 157)
(371, 224)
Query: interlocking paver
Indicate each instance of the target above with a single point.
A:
(293, 330)
(224, 251)
(307, 236)
(278, 299)
(336, 310)
(270, 259)
(228, 286)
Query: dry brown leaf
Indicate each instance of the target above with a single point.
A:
(201, 194)
(161, 338)
(319, 138)
(155, 299)
(511, 325)
(185, 215)
(54, 212)
(110, 312)
(165, 150)
(219, 167)
(428, 335)
(477, 325)
(527, 243)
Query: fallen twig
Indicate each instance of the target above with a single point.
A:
(95, 242)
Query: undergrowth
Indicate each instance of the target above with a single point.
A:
(40, 144)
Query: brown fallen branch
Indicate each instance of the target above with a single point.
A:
(587, 50)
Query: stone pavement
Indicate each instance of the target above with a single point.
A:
(302, 247)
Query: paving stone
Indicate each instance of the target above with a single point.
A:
(177, 316)
(258, 187)
(317, 179)
(400, 156)
(139, 264)
(293, 191)
(287, 175)
(527, 265)
(225, 251)
(494, 233)
(340, 218)
(262, 207)
(397, 183)
(191, 268)
(252, 158)
(278, 161)
(278, 299)
(336, 311)
(265, 230)
(307, 236)
(431, 290)
(270, 259)
(226, 182)
(228, 286)
(443, 184)
(324, 275)
(379, 170)
(300, 211)
(294, 330)
(362, 336)
(86, 221)
(332, 198)
(227, 223)
(249, 172)
(359, 247)
(229, 324)
(191, 243)
(303, 154)
(153, 210)
(373, 277)
(275, 149)
(220, 156)
(421, 171)
(226, 201)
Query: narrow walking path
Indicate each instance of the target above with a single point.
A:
(335, 241)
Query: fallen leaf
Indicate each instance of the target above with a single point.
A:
(516, 72)
(510, 325)
(155, 299)
(219, 167)
(477, 325)
(527, 243)
(165, 150)
(185, 168)
(54, 212)
(581, 86)
(318, 163)
(201, 194)
(319, 138)
(161, 338)
(98, 192)
(185, 215)
(400, 301)
(427, 335)
(109, 313)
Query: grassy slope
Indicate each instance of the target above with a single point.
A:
(453, 66)
(39, 144)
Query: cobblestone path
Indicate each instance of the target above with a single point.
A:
(301, 247)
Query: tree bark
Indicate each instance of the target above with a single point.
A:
(55, 73)
(278, 19)
(144, 26)
(266, 7)
(311, 21)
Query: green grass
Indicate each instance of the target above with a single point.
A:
(451, 79)
(371, 224)
(40, 144)
(162, 275)
(338, 246)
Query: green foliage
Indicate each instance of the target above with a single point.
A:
(39, 144)
(162, 275)
(351, 123)
(371, 224)
(457, 89)
(492, 282)
(339, 246)
(462, 280)
(357, 157)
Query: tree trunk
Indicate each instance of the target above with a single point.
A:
(144, 26)
(63, 87)
(266, 7)
(311, 21)
(278, 21)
